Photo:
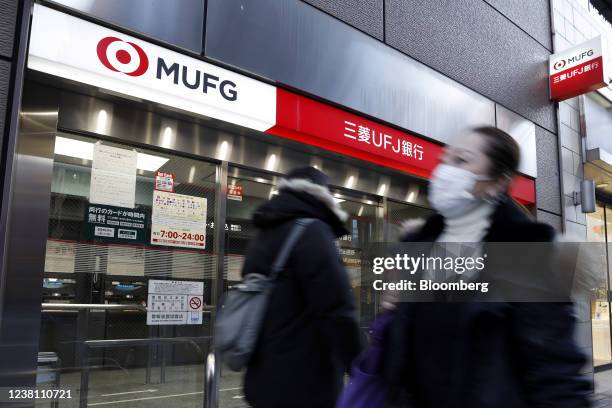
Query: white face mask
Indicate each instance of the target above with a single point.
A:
(450, 190)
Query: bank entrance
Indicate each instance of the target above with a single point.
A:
(147, 220)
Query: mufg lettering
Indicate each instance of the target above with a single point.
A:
(580, 56)
(194, 79)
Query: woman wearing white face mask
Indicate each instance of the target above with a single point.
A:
(470, 184)
(477, 355)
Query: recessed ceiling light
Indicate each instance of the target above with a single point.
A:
(602, 185)
(74, 148)
(350, 182)
(271, 163)
(101, 123)
(84, 150)
(149, 162)
(222, 150)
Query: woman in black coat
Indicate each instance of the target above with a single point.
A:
(480, 355)
(310, 333)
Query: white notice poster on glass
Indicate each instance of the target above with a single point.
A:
(178, 220)
(60, 257)
(113, 176)
(175, 302)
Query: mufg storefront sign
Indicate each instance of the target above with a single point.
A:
(68, 47)
(577, 70)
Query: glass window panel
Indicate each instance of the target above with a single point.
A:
(600, 314)
(364, 229)
(82, 267)
(398, 212)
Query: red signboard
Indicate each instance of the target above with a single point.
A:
(577, 70)
(523, 189)
(315, 123)
(234, 192)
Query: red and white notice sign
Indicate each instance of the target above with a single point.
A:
(164, 181)
(577, 70)
(178, 220)
(234, 192)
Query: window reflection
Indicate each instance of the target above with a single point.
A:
(176, 22)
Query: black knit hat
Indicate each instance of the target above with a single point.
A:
(311, 174)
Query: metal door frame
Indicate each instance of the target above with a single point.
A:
(26, 235)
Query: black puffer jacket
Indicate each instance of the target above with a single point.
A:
(486, 355)
(310, 334)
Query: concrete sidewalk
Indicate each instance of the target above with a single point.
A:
(602, 398)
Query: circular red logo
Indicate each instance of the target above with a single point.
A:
(559, 64)
(122, 56)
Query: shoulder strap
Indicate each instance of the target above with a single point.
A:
(294, 234)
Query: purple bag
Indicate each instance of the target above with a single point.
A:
(366, 387)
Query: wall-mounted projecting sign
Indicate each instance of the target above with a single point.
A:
(577, 70)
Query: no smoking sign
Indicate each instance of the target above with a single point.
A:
(174, 302)
(195, 303)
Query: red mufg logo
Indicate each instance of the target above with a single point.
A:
(559, 64)
(122, 56)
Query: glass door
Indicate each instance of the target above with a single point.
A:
(597, 231)
(129, 275)
(398, 212)
(365, 227)
(247, 190)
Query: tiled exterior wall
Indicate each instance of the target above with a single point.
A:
(575, 21)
